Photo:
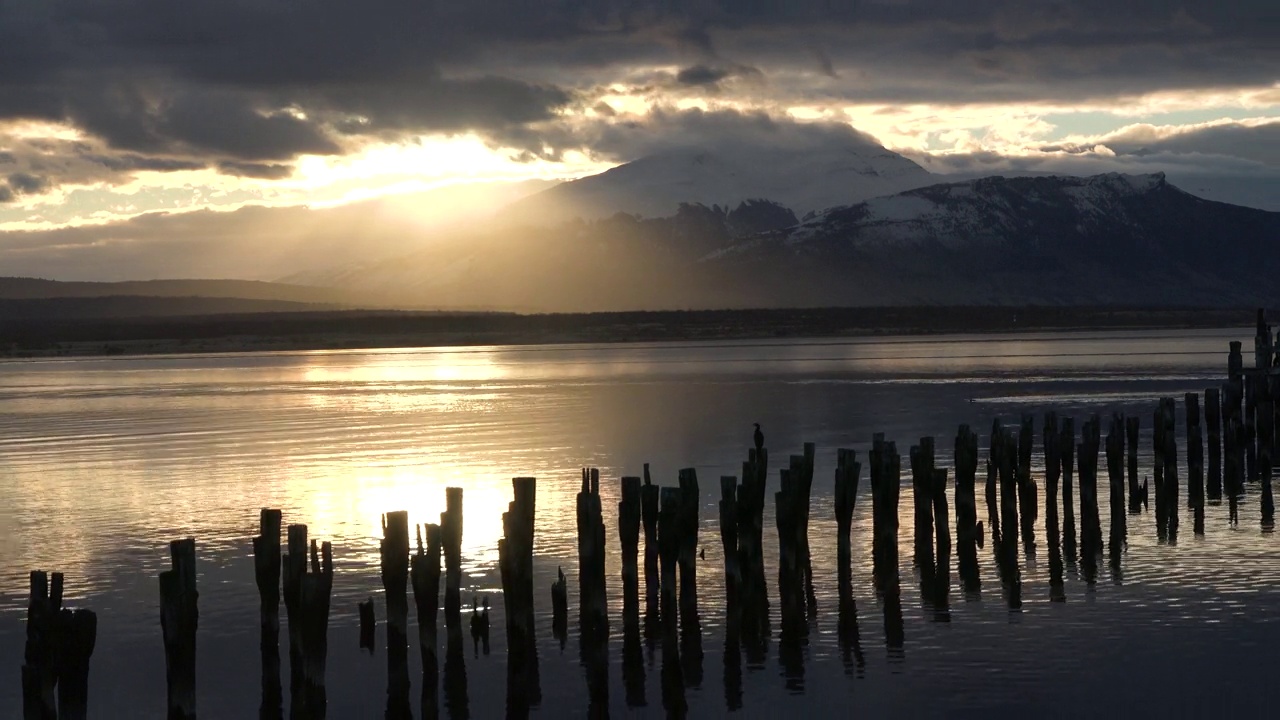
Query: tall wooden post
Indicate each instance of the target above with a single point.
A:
(649, 515)
(179, 616)
(966, 458)
(1028, 506)
(266, 565)
(395, 583)
(425, 575)
(1213, 423)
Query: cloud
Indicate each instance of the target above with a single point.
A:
(263, 171)
(28, 184)
(247, 88)
(223, 78)
(1258, 142)
(662, 129)
(42, 165)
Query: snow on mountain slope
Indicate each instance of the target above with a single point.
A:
(986, 210)
(802, 180)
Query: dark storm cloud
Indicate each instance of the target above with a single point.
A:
(262, 81)
(701, 75)
(28, 184)
(130, 163)
(262, 171)
(665, 129)
(44, 164)
(1259, 144)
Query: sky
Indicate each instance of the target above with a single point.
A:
(138, 137)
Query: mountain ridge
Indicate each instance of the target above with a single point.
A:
(655, 185)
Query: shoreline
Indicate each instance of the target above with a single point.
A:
(356, 330)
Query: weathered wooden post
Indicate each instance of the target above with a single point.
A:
(1116, 480)
(560, 607)
(75, 637)
(629, 512)
(451, 540)
(313, 605)
(1251, 425)
(395, 583)
(754, 589)
(1157, 470)
(306, 601)
(515, 561)
(790, 582)
(1266, 428)
(1133, 428)
(1052, 476)
(1170, 457)
(1231, 467)
(39, 669)
(886, 490)
(729, 543)
(848, 473)
(1213, 423)
(266, 566)
(688, 553)
(806, 556)
(668, 552)
(992, 495)
(179, 616)
(847, 477)
(966, 458)
(884, 502)
(425, 574)
(1007, 448)
(1266, 436)
(649, 514)
(1066, 449)
(56, 657)
(1087, 464)
(593, 612)
(1028, 506)
(921, 459)
(368, 626)
(941, 597)
(291, 578)
(1195, 463)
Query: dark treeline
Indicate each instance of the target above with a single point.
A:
(361, 328)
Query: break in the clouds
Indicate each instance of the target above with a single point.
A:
(114, 108)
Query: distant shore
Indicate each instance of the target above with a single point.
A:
(295, 331)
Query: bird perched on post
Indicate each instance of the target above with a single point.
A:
(759, 438)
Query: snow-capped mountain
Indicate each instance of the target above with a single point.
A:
(655, 186)
(1107, 239)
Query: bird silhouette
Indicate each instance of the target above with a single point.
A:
(759, 438)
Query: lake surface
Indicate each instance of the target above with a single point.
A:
(104, 461)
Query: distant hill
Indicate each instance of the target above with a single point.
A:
(135, 306)
(19, 288)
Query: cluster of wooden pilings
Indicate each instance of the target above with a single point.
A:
(60, 642)
(1241, 430)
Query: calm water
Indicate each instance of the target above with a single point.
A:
(103, 461)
